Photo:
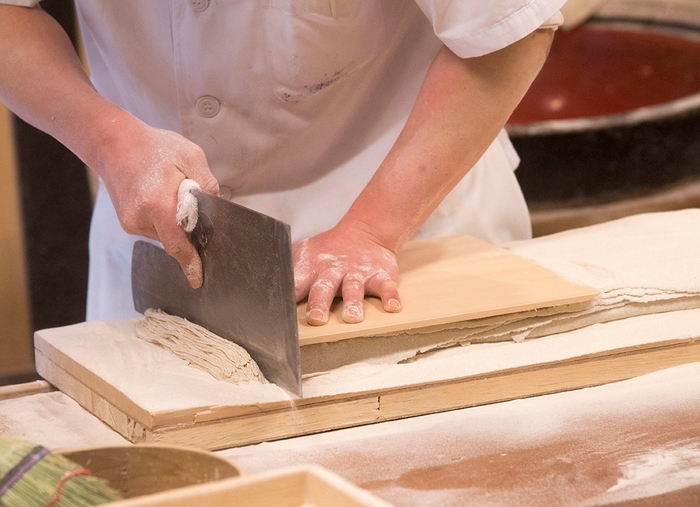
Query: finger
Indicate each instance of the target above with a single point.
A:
(198, 170)
(303, 274)
(387, 289)
(353, 291)
(135, 219)
(303, 277)
(321, 295)
(178, 246)
(193, 164)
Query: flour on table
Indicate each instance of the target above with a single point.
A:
(222, 359)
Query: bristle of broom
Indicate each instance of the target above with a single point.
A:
(46, 482)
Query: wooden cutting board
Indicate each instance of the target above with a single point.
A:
(148, 398)
(452, 279)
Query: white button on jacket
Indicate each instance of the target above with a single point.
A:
(208, 106)
(198, 5)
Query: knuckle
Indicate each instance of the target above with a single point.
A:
(302, 275)
(148, 200)
(192, 153)
(383, 276)
(355, 278)
(389, 284)
(322, 285)
(196, 157)
(382, 286)
(314, 304)
(300, 278)
(299, 253)
(197, 151)
(211, 186)
(195, 160)
(131, 222)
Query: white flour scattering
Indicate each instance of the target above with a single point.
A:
(222, 359)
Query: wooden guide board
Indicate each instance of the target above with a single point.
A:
(443, 281)
(220, 427)
(452, 279)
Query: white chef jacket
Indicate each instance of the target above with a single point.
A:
(295, 103)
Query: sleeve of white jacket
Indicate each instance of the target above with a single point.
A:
(21, 3)
(477, 27)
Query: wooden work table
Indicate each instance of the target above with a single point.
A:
(633, 443)
(627, 443)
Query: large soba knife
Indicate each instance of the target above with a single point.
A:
(248, 291)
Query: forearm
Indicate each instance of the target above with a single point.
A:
(460, 109)
(43, 82)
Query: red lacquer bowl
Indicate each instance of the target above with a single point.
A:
(615, 111)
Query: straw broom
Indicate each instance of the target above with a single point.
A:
(31, 476)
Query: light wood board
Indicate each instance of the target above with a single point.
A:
(26, 389)
(453, 279)
(219, 426)
(304, 486)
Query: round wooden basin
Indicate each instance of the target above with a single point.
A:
(138, 470)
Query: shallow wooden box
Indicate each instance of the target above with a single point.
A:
(308, 486)
(165, 475)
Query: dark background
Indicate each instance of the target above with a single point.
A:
(56, 207)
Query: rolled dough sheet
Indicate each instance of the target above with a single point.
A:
(57, 421)
(642, 264)
(149, 375)
(159, 382)
(460, 361)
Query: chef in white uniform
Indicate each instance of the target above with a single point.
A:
(361, 123)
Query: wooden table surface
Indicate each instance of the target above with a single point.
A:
(633, 443)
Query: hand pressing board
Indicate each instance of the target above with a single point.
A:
(452, 279)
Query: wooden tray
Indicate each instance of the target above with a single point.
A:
(309, 486)
(165, 475)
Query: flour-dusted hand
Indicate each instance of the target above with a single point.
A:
(345, 263)
(142, 168)
(461, 107)
(43, 81)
